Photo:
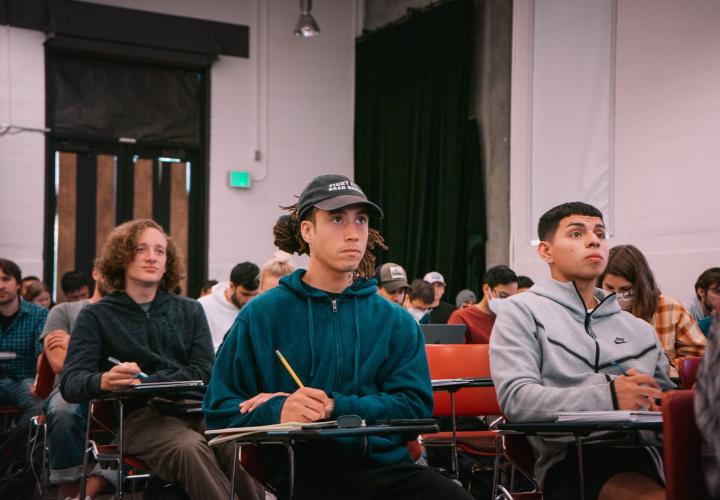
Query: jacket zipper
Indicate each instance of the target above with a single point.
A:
(588, 330)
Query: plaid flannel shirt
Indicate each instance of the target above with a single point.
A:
(677, 331)
(23, 338)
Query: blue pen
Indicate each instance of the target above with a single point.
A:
(118, 362)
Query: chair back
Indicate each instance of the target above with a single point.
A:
(688, 368)
(461, 361)
(44, 378)
(103, 413)
(682, 453)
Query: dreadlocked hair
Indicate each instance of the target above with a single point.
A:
(288, 239)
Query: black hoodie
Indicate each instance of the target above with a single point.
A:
(170, 342)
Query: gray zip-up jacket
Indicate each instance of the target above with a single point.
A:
(549, 354)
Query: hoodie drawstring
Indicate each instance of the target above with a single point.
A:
(311, 330)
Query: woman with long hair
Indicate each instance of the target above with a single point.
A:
(38, 293)
(629, 276)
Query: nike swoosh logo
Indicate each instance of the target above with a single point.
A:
(620, 340)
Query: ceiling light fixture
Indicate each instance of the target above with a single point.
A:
(307, 26)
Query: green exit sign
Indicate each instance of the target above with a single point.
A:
(240, 179)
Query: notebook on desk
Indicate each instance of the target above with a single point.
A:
(608, 416)
(444, 334)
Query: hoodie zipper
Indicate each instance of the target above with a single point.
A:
(336, 335)
(588, 329)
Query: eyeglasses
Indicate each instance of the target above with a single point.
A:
(627, 294)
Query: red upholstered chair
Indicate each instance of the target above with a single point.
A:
(44, 378)
(688, 367)
(464, 361)
(682, 453)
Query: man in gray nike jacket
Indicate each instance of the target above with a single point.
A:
(567, 346)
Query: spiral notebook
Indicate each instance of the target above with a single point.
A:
(609, 416)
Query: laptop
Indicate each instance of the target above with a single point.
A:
(444, 334)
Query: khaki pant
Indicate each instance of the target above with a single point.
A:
(176, 450)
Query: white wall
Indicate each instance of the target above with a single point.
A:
(22, 155)
(303, 123)
(664, 194)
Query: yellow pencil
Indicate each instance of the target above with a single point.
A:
(289, 369)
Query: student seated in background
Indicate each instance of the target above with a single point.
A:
(419, 300)
(707, 408)
(465, 298)
(38, 293)
(628, 275)
(499, 283)
(392, 282)
(440, 311)
(222, 305)
(163, 335)
(66, 421)
(565, 345)
(75, 285)
(20, 326)
(274, 269)
(355, 352)
(524, 283)
(206, 288)
(26, 282)
(707, 298)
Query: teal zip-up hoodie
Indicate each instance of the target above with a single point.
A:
(362, 350)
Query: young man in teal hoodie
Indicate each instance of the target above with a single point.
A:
(355, 352)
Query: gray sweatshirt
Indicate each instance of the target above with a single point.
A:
(549, 354)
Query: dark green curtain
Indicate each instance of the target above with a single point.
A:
(416, 151)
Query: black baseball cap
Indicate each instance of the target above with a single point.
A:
(330, 192)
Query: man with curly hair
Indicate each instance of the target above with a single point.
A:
(356, 353)
(162, 335)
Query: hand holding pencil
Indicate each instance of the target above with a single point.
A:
(306, 404)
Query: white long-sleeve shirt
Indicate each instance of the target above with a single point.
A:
(220, 312)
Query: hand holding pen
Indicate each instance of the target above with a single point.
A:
(121, 375)
(636, 391)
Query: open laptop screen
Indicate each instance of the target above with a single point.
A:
(444, 334)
